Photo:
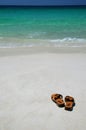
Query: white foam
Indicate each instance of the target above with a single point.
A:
(69, 40)
(65, 42)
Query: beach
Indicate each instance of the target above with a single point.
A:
(27, 80)
(42, 51)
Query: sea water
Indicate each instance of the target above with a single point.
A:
(42, 26)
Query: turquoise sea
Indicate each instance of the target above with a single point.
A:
(42, 26)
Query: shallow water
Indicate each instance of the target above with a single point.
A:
(58, 27)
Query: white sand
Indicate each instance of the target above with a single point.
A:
(26, 84)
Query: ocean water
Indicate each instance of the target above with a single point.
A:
(42, 26)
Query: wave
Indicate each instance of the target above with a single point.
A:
(70, 42)
(65, 42)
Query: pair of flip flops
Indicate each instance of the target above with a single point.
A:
(68, 104)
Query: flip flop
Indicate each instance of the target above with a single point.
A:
(69, 103)
(58, 99)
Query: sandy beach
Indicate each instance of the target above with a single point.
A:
(27, 81)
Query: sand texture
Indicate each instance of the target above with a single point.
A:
(26, 85)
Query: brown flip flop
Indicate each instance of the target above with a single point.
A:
(58, 99)
(69, 103)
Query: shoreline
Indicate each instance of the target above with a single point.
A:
(35, 50)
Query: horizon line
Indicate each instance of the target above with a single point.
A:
(42, 5)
